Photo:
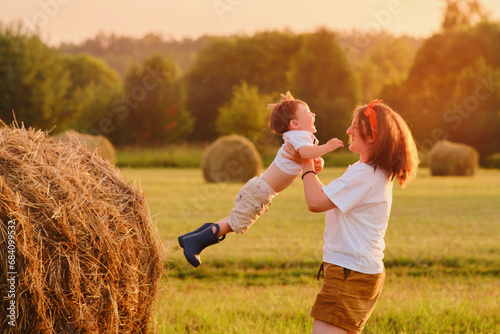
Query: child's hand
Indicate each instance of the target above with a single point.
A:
(319, 163)
(334, 144)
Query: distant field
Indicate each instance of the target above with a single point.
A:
(442, 258)
(191, 155)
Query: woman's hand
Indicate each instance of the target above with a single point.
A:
(291, 153)
(307, 164)
(319, 163)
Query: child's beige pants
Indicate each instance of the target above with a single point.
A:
(251, 202)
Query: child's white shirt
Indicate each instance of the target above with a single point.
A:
(297, 138)
(355, 230)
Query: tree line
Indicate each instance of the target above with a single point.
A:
(224, 89)
(446, 86)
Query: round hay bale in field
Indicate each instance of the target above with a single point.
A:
(447, 158)
(78, 246)
(492, 161)
(231, 159)
(100, 144)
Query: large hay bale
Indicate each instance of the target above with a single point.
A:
(100, 144)
(231, 159)
(84, 250)
(447, 158)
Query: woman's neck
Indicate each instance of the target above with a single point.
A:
(363, 156)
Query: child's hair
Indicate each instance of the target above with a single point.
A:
(394, 149)
(282, 113)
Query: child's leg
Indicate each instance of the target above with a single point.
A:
(224, 227)
(250, 203)
(248, 208)
(196, 242)
(199, 229)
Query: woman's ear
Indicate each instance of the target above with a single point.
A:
(370, 140)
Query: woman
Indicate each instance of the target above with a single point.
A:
(357, 207)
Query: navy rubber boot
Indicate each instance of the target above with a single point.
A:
(195, 243)
(199, 229)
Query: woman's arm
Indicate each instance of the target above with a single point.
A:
(316, 199)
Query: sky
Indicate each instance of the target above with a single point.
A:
(73, 21)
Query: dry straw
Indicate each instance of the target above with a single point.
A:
(231, 159)
(453, 159)
(99, 143)
(88, 257)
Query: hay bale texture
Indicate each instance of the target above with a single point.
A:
(447, 159)
(231, 159)
(87, 256)
(100, 144)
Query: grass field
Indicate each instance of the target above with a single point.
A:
(442, 258)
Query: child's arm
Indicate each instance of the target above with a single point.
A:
(312, 152)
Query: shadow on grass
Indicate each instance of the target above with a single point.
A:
(258, 272)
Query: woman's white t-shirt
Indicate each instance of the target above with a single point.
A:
(297, 138)
(355, 230)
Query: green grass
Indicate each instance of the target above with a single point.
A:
(442, 258)
(182, 156)
(191, 155)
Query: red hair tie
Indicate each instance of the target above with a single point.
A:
(372, 117)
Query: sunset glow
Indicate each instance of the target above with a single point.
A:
(74, 21)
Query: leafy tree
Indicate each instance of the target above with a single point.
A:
(452, 94)
(386, 63)
(261, 60)
(119, 51)
(462, 13)
(245, 114)
(265, 58)
(93, 87)
(33, 82)
(152, 109)
(209, 85)
(475, 117)
(321, 76)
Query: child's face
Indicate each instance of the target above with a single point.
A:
(304, 119)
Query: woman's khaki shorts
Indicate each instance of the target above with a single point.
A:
(251, 201)
(347, 298)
